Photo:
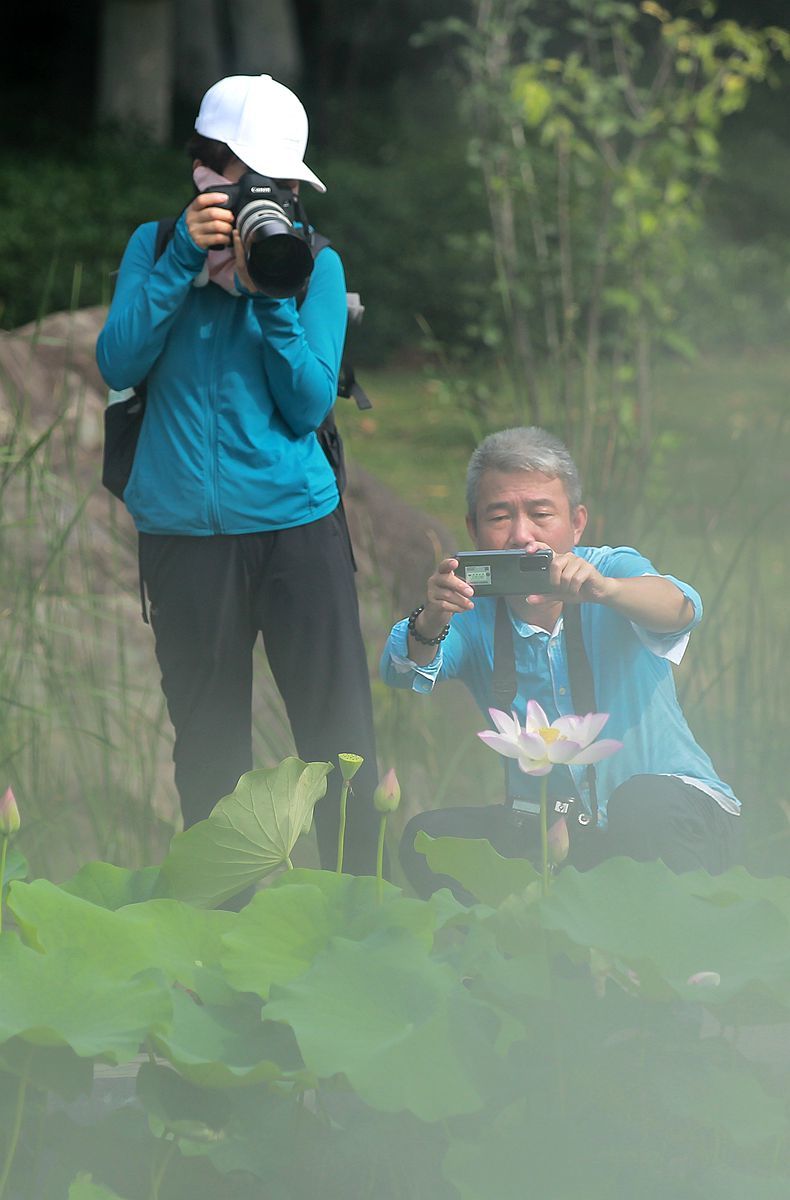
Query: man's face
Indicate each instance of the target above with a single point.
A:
(518, 508)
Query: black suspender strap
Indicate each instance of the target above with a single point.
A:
(504, 685)
(579, 670)
(581, 679)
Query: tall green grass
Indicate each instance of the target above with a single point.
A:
(84, 736)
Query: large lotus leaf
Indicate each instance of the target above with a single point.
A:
(121, 1154)
(729, 1100)
(649, 918)
(349, 1151)
(55, 1069)
(250, 833)
(522, 1154)
(726, 1183)
(112, 887)
(221, 1047)
(399, 1025)
(738, 885)
(280, 933)
(83, 1188)
(477, 866)
(174, 937)
(63, 998)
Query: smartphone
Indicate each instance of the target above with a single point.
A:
(505, 572)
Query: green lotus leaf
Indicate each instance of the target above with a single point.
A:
(477, 866)
(729, 1100)
(63, 998)
(521, 1145)
(112, 887)
(398, 1025)
(83, 1188)
(645, 916)
(223, 1047)
(16, 866)
(175, 938)
(281, 931)
(55, 1069)
(250, 833)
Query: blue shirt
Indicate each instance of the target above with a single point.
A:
(236, 387)
(631, 670)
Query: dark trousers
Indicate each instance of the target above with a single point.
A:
(650, 817)
(209, 599)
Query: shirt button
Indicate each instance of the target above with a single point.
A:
(562, 691)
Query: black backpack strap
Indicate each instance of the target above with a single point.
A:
(164, 231)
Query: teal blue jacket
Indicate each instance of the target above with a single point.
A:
(236, 387)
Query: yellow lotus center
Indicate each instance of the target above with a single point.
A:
(550, 735)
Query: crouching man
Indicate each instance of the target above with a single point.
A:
(608, 628)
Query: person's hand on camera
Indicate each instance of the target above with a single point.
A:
(447, 595)
(572, 579)
(209, 227)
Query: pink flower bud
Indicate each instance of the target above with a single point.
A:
(387, 795)
(704, 979)
(9, 815)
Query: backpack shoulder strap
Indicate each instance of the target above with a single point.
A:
(164, 231)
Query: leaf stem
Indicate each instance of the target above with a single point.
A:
(3, 853)
(380, 856)
(544, 833)
(341, 833)
(17, 1127)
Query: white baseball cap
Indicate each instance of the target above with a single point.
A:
(263, 122)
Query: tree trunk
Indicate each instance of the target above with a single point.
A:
(136, 65)
(265, 39)
(201, 51)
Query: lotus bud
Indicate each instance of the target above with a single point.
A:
(559, 842)
(349, 765)
(387, 795)
(9, 815)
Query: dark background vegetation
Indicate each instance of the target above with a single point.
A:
(402, 203)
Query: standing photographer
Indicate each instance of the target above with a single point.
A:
(659, 796)
(237, 508)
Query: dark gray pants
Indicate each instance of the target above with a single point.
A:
(209, 599)
(650, 817)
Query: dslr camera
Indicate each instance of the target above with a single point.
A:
(278, 255)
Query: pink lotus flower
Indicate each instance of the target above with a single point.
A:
(539, 746)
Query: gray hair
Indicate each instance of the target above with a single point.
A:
(525, 448)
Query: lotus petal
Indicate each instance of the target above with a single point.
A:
(503, 745)
(581, 729)
(530, 767)
(506, 723)
(536, 717)
(598, 750)
(563, 750)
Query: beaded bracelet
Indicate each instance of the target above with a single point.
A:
(424, 641)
